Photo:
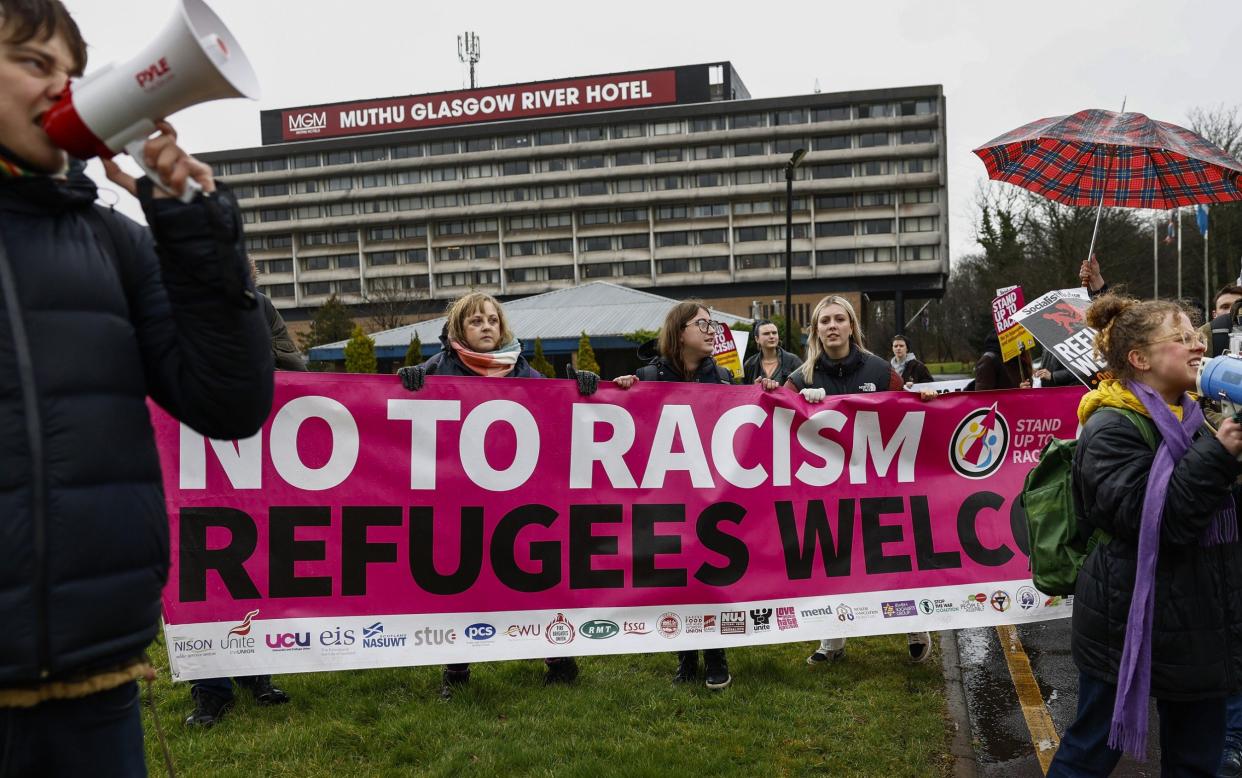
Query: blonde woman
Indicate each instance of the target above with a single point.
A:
(837, 362)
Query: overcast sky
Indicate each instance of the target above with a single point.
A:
(1002, 64)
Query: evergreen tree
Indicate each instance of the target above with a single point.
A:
(414, 354)
(331, 323)
(540, 363)
(586, 355)
(360, 353)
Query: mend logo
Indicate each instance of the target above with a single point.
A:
(308, 123)
(152, 75)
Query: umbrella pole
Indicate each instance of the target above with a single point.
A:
(1103, 188)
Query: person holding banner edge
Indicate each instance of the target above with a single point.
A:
(685, 345)
(477, 342)
(837, 362)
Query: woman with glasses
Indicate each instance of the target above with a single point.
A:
(1158, 601)
(772, 362)
(837, 362)
(685, 345)
(478, 342)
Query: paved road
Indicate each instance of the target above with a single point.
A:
(1003, 743)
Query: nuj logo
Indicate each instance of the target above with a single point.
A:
(308, 122)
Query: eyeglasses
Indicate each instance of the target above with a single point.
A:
(1188, 338)
(706, 325)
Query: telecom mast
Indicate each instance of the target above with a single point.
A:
(468, 51)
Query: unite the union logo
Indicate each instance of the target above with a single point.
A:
(979, 443)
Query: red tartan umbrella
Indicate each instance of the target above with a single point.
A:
(1097, 157)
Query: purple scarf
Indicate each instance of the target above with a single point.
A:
(1129, 729)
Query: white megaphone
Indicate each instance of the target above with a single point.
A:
(195, 59)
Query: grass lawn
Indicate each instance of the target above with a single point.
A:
(938, 368)
(873, 714)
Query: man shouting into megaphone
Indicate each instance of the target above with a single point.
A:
(96, 314)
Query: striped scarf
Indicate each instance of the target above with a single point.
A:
(493, 364)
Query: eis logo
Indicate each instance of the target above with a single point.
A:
(979, 443)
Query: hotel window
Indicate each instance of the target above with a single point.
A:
(374, 179)
(348, 286)
(524, 248)
(407, 151)
(666, 128)
(407, 204)
(875, 199)
(381, 258)
(748, 149)
(713, 236)
(597, 243)
(480, 171)
(875, 167)
(307, 212)
(830, 142)
(519, 168)
(668, 155)
(839, 170)
(595, 217)
(347, 261)
(274, 215)
(373, 206)
(406, 177)
(791, 116)
(439, 148)
(590, 163)
(667, 212)
(600, 270)
(480, 197)
(637, 241)
(710, 179)
(628, 185)
(519, 195)
(708, 152)
(876, 110)
(559, 246)
(708, 210)
(707, 124)
(883, 254)
(753, 206)
(486, 251)
(916, 253)
(877, 226)
(339, 209)
(665, 239)
(339, 157)
(835, 257)
(555, 165)
(236, 168)
(912, 196)
(299, 161)
(277, 266)
(919, 224)
(712, 264)
(918, 136)
(627, 131)
(745, 234)
(316, 263)
(744, 177)
(515, 142)
(833, 113)
(789, 145)
(413, 231)
(561, 273)
(868, 140)
(673, 265)
(377, 234)
(667, 182)
(340, 183)
(276, 163)
(451, 228)
(588, 134)
(480, 144)
(624, 158)
(553, 191)
(743, 121)
(372, 155)
(591, 188)
(561, 219)
(278, 290)
(918, 107)
(523, 222)
(243, 192)
(639, 267)
(552, 137)
(443, 174)
(833, 229)
(315, 288)
(632, 215)
(924, 165)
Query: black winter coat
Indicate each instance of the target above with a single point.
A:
(660, 369)
(85, 337)
(1197, 625)
(787, 363)
(448, 363)
(858, 371)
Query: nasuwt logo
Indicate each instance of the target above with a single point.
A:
(979, 443)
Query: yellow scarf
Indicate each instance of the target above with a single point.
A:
(1113, 393)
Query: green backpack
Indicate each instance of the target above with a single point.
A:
(1057, 551)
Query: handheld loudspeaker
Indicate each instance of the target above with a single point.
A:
(1220, 378)
(195, 59)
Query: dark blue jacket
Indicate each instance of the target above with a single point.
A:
(448, 363)
(85, 336)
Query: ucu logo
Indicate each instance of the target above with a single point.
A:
(288, 640)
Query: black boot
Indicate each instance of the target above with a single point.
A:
(563, 670)
(717, 669)
(451, 680)
(264, 693)
(208, 709)
(687, 667)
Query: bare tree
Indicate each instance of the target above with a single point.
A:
(1220, 125)
(388, 303)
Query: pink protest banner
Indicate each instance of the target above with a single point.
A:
(476, 520)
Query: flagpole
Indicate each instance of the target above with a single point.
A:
(1179, 254)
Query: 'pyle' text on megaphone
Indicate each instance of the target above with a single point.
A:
(195, 59)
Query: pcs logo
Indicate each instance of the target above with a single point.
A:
(979, 443)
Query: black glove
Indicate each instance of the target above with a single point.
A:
(412, 377)
(588, 382)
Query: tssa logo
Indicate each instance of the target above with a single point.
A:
(286, 641)
(479, 632)
(147, 77)
(304, 123)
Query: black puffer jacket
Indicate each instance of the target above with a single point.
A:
(85, 337)
(786, 364)
(448, 363)
(660, 369)
(1197, 625)
(857, 371)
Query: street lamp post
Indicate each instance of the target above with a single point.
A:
(790, 167)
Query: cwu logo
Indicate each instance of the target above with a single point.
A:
(979, 443)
